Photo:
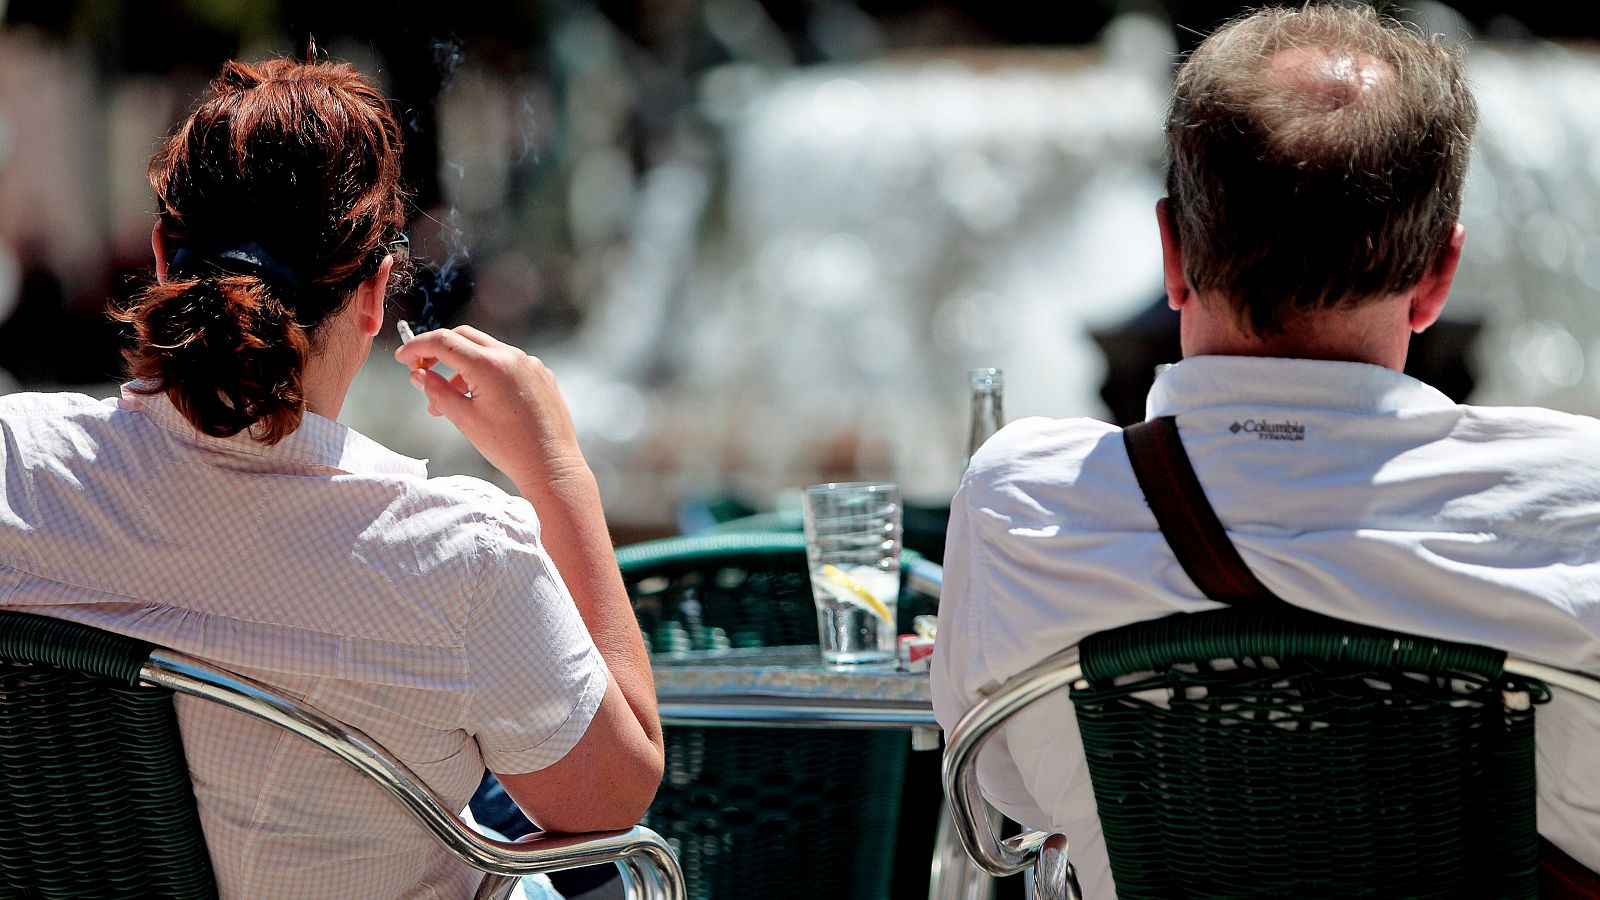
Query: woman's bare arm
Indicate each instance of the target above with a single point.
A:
(508, 405)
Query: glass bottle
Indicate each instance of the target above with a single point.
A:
(987, 414)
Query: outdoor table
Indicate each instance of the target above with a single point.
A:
(776, 687)
(791, 687)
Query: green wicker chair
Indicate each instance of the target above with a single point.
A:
(752, 587)
(923, 527)
(95, 799)
(1238, 755)
(759, 812)
(84, 746)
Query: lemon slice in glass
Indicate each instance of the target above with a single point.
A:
(841, 585)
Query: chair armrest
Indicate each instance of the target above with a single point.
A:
(1053, 875)
(1587, 685)
(922, 575)
(992, 855)
(647, 861)
(638, 848)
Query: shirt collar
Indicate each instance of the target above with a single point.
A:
(1208, 381)
(318, 441)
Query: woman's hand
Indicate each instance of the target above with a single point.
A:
(505, 402)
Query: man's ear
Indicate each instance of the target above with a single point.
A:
(158, 246)
(1177, 287)
(1427, 299)
(370, 295)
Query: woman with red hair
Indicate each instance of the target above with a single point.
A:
(218, 508)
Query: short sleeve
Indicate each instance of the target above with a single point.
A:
(960, 670)
(536, 678)
(960, 649)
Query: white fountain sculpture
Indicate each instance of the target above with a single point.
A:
(812, 309)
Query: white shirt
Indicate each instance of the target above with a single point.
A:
(1393, 507)
(422, 611)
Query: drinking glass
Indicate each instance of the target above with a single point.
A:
(853, 551)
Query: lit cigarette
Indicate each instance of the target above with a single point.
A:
(406, 337)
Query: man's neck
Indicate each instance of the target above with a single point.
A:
(1377, 333)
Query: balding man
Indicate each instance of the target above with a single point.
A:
(1317, 161)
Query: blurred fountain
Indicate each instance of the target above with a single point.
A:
(804, 302)
(880, 230)
(10, 269)
(1531, 267)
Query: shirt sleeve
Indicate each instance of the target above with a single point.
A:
(959, 671)
(535, 675)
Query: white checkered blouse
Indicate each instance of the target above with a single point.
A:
(422, 611)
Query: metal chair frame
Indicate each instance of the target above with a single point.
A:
(1046, 853)
(650, 870)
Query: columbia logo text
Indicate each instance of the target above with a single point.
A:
(1270, 431)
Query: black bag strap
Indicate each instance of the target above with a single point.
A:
(1186, 518)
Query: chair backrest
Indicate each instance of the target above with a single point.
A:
(922, 528)
(1239, 755)
(118, 816)
(1246, 755)
(744, 589)
(757, 812)
(95, 800)
(751, 587)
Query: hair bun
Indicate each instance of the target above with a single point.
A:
(303, 159)
(226, 351)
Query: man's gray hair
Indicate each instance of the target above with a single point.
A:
(1317, 157)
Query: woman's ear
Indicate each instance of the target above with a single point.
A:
(158, 246)
(370, 295)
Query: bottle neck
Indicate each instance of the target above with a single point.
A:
(987, 417)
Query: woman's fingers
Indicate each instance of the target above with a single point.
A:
(506, 403)
(444, 399)
(444, 346)
(478, 337)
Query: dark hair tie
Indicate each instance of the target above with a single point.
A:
(240, 259)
